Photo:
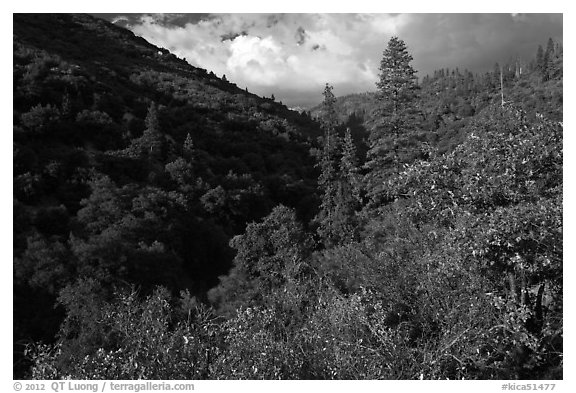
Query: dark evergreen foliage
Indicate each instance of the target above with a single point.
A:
(339, 180)
(392, 140)
(328, 180)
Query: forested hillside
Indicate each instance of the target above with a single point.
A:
(131, 166)
(171, 225)
(449, 98)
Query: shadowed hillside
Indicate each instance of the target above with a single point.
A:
(108, 126)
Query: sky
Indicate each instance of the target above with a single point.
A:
(294, 55)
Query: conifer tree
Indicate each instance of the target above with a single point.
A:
(150, 145)
(349, 167)
(347, 193)
(151, 139)
(550, 49)
(548, 60)
(397, 84)
(540, 59)
(556, 62)
(328, 167)
(66, 105)
(390, 142)
(188, 148)
(339, 180)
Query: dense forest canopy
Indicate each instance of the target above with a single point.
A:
(171, 225)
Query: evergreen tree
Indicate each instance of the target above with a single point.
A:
(151, 120)
(66, 105)
(188, 148)
(349, 166)
(328, 167)
(548, 60)
(550, 49)
(540, 59)
(347, 193)
(152, 138)
(339, 180)
(556, 66)
(150, 145)
(397, 85)
(391, 142)
(496, 71)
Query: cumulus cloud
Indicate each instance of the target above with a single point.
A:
(293, 55)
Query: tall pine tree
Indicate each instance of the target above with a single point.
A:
(152, 138)
(540, 59)
(150, 145)
(328, 167)
(339, 180)
(392, 141)
(548, 59)
(188, 150)
(349, 170)
(348, 197)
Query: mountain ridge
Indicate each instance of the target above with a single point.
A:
(105, 120)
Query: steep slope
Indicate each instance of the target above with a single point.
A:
(117, 62)
(132, 167)
(87, 84)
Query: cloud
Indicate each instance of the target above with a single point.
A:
(257, 61)
(120, 19)
(301, 35)
(476, 41)
(293, 55)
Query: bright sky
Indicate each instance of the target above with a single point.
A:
(294, 55)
